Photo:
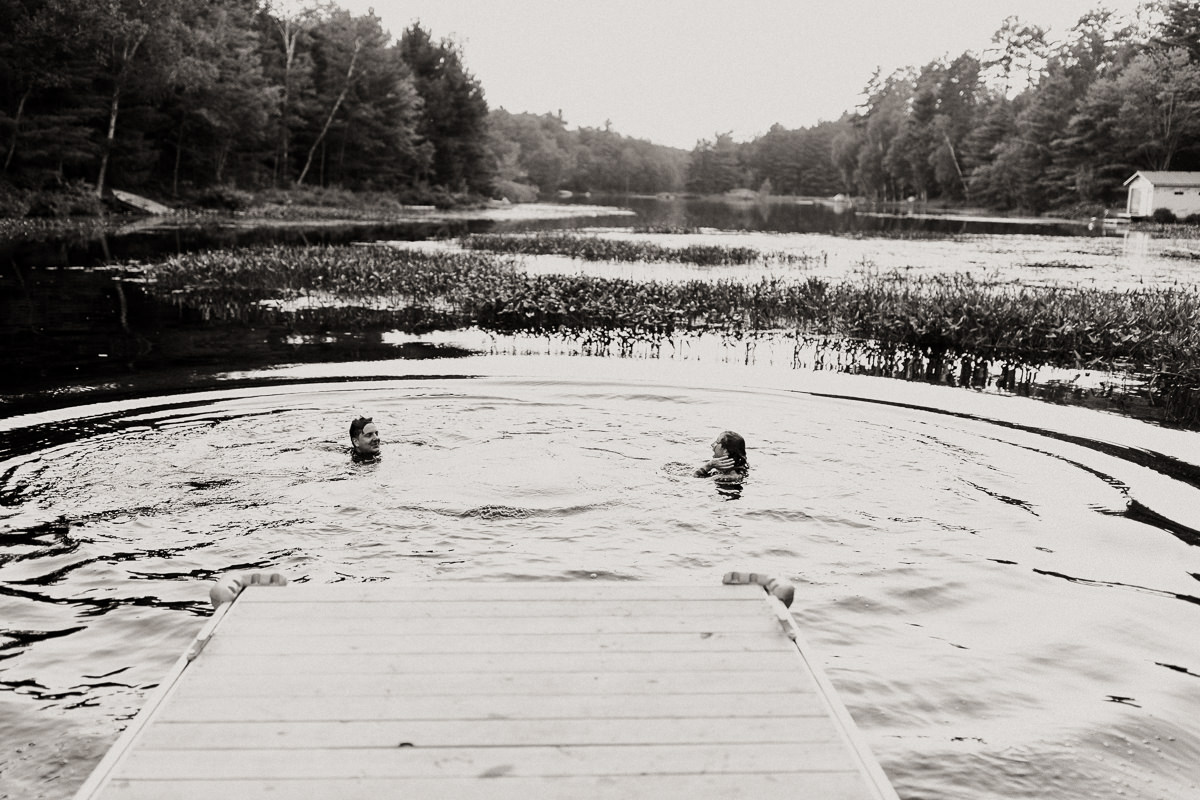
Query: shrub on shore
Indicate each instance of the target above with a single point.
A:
(69, 200)
(293, 203)
(14, 203)
(317, 202)
(224, 198)
(516, 192)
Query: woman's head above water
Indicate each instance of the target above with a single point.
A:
(729, 457)
(732, 445)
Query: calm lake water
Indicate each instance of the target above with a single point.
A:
(1005, 592)
(74, 310)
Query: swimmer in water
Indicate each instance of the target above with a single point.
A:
(364, 438)
(729, 459)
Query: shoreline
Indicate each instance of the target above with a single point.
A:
(289, 213)
(14, 230)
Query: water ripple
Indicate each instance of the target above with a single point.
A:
(992, 598)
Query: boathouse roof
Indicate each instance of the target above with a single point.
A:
(1167, 178)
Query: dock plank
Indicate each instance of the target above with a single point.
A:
(563, 732)
(308, 638)
(825, 786)
(542, 608)
(474, 591)
(393, 663)
(465, 762)
(273, 687)
(375, 620)
(484, 706)
(494, 690)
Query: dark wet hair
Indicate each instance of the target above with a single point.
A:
(735, 445)
(356, 427)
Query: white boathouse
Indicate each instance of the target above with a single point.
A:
(1178, 192)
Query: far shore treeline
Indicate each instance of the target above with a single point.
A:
(206, 102)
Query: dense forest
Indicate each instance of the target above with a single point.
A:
(178, 98)
(172, 96)
(1029, 124)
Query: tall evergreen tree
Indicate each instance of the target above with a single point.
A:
(1159, 116)
(1179, 27)
(376, 144)
(995, 126)
(454, 112)
(222, 102)
(716, 166)
(37, 59)
(879, 123)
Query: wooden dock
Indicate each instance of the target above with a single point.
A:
(494, 690)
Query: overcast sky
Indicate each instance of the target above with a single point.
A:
(675, 71)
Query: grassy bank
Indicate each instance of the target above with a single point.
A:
(26, 213)
(950, 329)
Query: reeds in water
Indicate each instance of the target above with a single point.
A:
(596, 248)
(950, 328)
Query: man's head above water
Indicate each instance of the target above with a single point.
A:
(364, 437)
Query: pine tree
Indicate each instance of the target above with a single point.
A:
(454, 114)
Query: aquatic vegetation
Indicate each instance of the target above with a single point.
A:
(936, 327)
(37, 229)
(595, 248)
(948, 328)
(365, 285)
(674, 230)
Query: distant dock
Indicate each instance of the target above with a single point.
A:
(494, 690)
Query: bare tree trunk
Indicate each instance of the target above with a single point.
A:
(329, 120)
(341, 158)
(281, 163)
(289, 33)
(114, 107)
(222, 157)
(178, 156)
(957, 168)
(127, 55)
(12, 146)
